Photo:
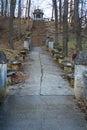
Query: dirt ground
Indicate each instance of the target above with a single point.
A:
(4, 33)
(12, 55)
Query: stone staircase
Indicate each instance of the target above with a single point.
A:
(38, 33)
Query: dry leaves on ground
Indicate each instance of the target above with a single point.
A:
(81, 104)
(19, 77)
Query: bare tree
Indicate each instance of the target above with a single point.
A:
(2, 7)
(56, 21)
(11, 28)
(26, 11)
(6, 5)
(52, 12)
(29, 5)
(19, 19)
(77, 25)
(60, 13)
(65, 28)
(7, 8)
(71, 13)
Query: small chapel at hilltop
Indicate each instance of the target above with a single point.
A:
(38, 14)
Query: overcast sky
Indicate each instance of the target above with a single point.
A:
(45, 5)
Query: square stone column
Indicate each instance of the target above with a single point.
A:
(80, 84)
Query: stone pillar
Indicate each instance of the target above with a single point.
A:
(3, 75)
(47, 41)
(51, 44)
(85, 88)
(26, 43)
(80, 84)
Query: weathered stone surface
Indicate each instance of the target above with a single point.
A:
(3, 74)
(85, 86)
(80, 77)
(81, 58)
(79, 81)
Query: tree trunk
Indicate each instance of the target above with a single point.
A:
(26, 11)
(70, 19)
(65, 28)
(6, 4)
(8, 8)
(56, 22)
(29, 5)
(77, 25)
(2, 7)
(60, 14)
(11, 28)
(52, 12)
(19, 19)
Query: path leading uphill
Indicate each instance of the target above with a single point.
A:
(45, 101)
